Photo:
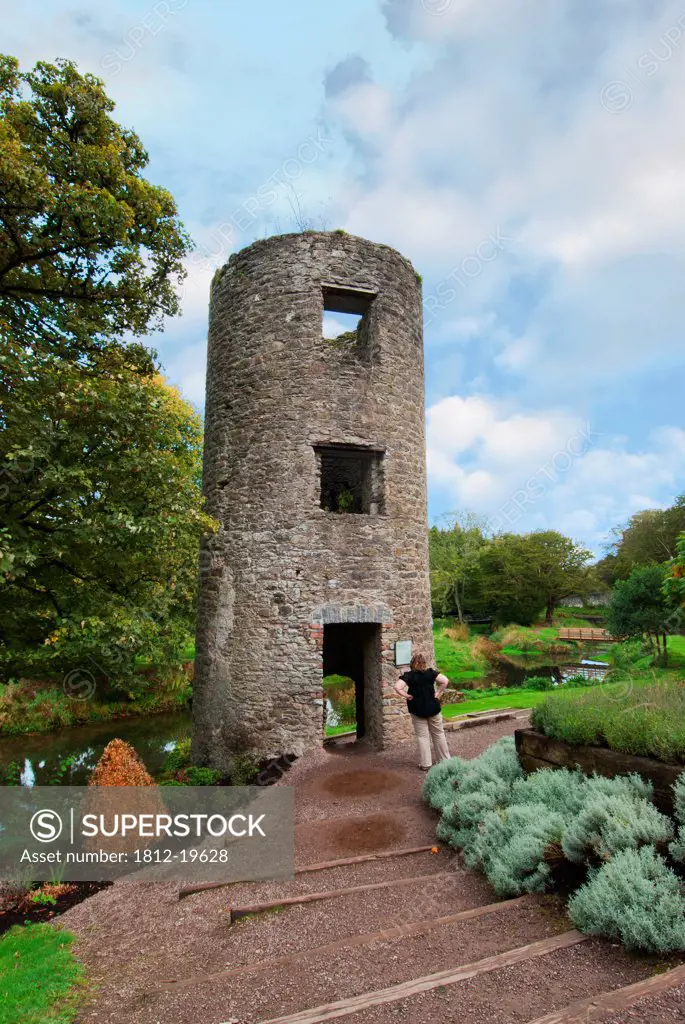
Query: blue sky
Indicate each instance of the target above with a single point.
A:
(527, 157)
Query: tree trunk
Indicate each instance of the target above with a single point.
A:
(460, 614)
(551, 604)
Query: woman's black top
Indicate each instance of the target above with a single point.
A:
(424, 703)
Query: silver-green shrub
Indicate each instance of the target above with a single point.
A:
(484, 784)
(607, 825)
(510, 847)
(634, 898)
(509, 824)
(438, 787)
(632, 785)
(677, 847)
(561, 790)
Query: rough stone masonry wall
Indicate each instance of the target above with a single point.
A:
(281, 566)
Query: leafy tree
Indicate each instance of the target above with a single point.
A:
(674, 582)
(560, 566)
(89, 249)
(100, 504)
(521, 574)
(455, 566)
(651, 536)
(639, 607)
(510, 590)
(100, 511)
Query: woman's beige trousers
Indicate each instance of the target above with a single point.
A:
(429, 730)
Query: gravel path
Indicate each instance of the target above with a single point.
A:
(665, 1009)
(156, 959)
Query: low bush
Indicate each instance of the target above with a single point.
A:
(178, 769)
(562, 791)
(521, 831)
(119, 765)
(581, 680)
(628, 657)
(438, 787)
(540, 683)
(484, 784)
(243, 769)
(510, 846)
(518, 638)
(607, 825)
(634, 898)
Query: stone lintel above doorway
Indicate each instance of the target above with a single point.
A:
(328, 614)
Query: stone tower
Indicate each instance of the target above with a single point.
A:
(315, 467)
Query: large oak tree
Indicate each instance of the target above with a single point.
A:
(100, 505)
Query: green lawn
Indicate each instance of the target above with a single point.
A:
(454, 657)
(516, 698)
(336, 730)
(39, 976)
(676, 652)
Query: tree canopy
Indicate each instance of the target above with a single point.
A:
(650, 536)
(100, 519)
(639, 607)
(511, 577)
(674, 582)
(89, 249)
(100, 501)
(455, 565)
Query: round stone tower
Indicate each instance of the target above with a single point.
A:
(315, 467)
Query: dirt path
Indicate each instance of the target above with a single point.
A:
(155, 958)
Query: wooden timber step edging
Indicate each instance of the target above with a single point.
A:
(400, 931)
(490, 711)
(355, 1004)
(323, 865)
(329, 894)
(339, 736)
(535, 750)
(455, 724)
(596, 1008)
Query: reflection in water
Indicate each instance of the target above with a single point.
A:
(153, 737)
(514, 671)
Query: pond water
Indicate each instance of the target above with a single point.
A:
(514, 671)
(40, 754)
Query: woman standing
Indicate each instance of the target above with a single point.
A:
(423, 704)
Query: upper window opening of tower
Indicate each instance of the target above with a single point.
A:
(351, 479)
(344, 309)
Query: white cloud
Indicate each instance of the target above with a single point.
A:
(512, 129)
(526, 471)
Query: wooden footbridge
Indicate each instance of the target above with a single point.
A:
(586, 635)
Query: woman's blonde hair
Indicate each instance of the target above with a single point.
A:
(418, 663)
